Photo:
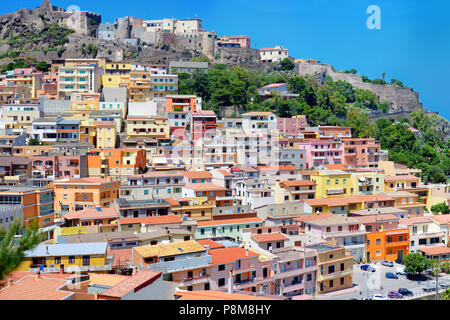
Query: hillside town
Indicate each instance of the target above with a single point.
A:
(141, 193)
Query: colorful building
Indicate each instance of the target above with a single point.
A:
(116, 162)
(78, 194)
(391, 245)
(361, 152)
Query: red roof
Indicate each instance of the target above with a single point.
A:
(266, 237)
(28, 288)
(121, 257)
(225, 173)
(436, 250)
(152, 220)
(227, 255)
(210, 243)
(136, 282)
(206, 187)
(277, 168)
(197, 174)
(90, 214)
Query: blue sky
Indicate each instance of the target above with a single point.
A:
(413, 44)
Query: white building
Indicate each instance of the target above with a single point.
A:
(273, 54)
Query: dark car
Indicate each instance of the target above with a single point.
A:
(405, 292)
(395, 295)
(391, 275)
(399, 261)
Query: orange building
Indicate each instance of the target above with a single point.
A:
(37, 203)
(116, 162)
(389, 245)
(361, 152)
(181, 103)
(79, 194)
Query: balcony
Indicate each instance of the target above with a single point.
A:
(334, 275)
(194, 280)
(397, 244)
(293, 287)
(295, 272)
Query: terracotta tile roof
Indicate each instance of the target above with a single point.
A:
(342, 201)
(210, 243)
(401, 178)
(266, 237)
(414, 220)
(314, 217)
(120, 256)
(298, 183)
(229, 221)
(377, 218)
(441, 219)
(28, 288)
(307, 172)
(217, 295)
(134, 283)
(231, 254)
(434, 250)
(197, 174)
(206, 187)
(152, 220)
(225, 173)
(169, 249)
(89, 214)
(172, 201)
(335, 167)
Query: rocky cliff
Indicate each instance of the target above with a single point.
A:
(399, 98)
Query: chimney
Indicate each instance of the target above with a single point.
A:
(79, 239)
(230, 283)
(10, 282)
(246, 252)
(61, 269)
(206, 246)
(38, 276)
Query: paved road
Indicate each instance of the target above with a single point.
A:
(370, 283)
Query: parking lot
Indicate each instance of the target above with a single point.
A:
(370, 283)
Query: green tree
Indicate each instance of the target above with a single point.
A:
(287, 64)
(445, 295)
(436, 269)
(13, 244)
(33, 142)
(416, 263)
(440, 208)
(42, 66)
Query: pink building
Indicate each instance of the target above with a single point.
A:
(379, 222)
(203, 124)
(291, 125)
(196, 177)
(273, 174)
(59, 167)
(361, 152)
(322, 151)
(239, 269)
(234, 41)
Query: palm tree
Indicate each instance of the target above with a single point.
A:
(383, 75)
(436, 268)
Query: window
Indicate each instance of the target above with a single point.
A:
(221, 282)
(221, 267)
(378, 241)
(331, 269)
(71, 259)
(342, 281)
(57, 260)
(309, 277)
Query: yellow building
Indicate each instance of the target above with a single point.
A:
(139, 89)
(367, 182)
(115, 80)
(84, 101)
(71, 257)
(333, 183)
(148, 127)
(117, 67)
(198, 208)
(105, 134)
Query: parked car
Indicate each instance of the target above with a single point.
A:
(395, 295)
(352, 299)
(442, 285)
(429, 289)
(402, 271)
(366, 298)
(391, 275)
(387, 263)
(405, 292)
(364, 267)
(378, 297)
(371, 269)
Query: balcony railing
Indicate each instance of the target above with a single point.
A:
(334, 275)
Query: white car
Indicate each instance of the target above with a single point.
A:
(378, 297)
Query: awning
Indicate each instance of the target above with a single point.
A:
(362, 179)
